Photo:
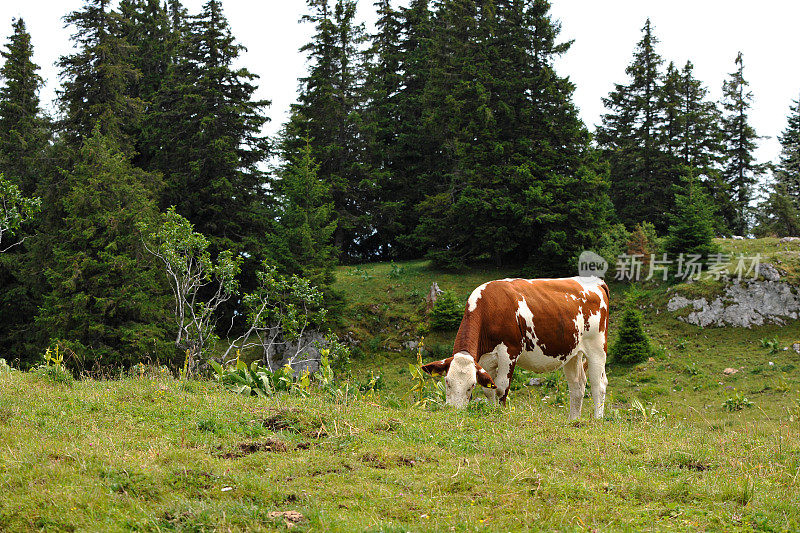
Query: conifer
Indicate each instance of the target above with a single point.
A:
(741, 171)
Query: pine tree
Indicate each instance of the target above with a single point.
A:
(105, 301)
(692, 228)
(740, 171)
(96, 79)
(780, 213)
(205, 129)
(328, 112)
(642, 173)
(302, 239)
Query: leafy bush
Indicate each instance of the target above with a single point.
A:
(447, 312)
(736, 403)
(632, 345)
(255, 380)
(771, 344)
(613, 243)
(396, 270)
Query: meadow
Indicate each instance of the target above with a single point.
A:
(683, 446)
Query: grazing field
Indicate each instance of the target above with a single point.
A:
(683, 446)
(156, 454)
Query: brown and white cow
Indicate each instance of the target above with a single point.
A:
(540, 324)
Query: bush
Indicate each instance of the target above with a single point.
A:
(632, 345)
(447, 312)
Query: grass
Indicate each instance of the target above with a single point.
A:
(151, 453)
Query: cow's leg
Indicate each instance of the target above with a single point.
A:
(506, 360)
(489, 363)
(596, 354)
(576, 379)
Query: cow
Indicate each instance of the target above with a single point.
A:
(540, 324)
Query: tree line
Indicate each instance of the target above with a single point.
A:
(447, 134)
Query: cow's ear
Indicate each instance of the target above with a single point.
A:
(484, 379)
(438, 367)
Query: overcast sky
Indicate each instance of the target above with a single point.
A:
(709, 32)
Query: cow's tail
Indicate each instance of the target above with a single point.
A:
(604, 286)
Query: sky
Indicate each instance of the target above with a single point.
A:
(707, 32)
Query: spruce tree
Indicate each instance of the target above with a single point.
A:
(24, 134)
(380, 127)
(740, 171)
(632, 345)
(514, 178)
(147, 27)
(328, 111)
(415, 153)
(23, 129)
(779, 214)
(97, 77)
(105, 302)
(692, 227)
(301, 241)
(642, 173)
(205, 134)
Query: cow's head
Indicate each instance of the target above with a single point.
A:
(461, 374)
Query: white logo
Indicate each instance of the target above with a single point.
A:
(591, 264)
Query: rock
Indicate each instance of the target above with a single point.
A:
(737, 237)
(308, 355)
(535, 382)
(790, 239)
(796, 347)
(769, 272)
(410, 345)
(747, 304)
(729, 371)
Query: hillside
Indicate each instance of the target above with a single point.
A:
(683, 445)
(387, 311)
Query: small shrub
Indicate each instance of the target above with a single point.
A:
(447, 312)
(772, 345)
(396, 270)
(736, 403)
(613, 243)
(632, 345)
(643, 241)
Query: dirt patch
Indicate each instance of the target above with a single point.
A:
(388, 425)
(341, 469)
(290, 518)
(371, 459)
(248, 448)
(310, 425)
(382, 462)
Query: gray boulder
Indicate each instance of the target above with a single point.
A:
(745, 305)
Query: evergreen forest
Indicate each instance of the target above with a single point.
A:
(447, 134)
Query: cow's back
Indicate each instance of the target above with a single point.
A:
(550, 316)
